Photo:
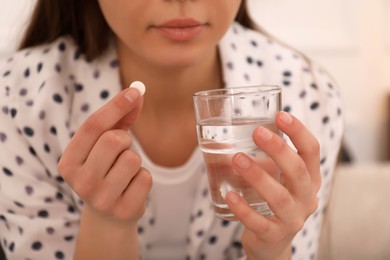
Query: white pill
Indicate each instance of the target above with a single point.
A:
(138, 85)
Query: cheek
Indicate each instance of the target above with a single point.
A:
(224, 14)
(124, 17)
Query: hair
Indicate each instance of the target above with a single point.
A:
(83, 21)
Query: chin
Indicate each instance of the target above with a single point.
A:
(178, 63)
(183, 58)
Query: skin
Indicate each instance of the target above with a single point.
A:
(115, 189)
(292, 202)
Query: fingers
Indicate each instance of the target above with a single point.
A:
(121, 174)
(99, 165)
(301, 170)
(295, 199)
(105, 193)
(121, 111)
(253, 221)
(108, 191)
(298, 170)
(275, 194)
(105, 152)
(289, 214)
(307, 145)
(134, 196)
(291, 166)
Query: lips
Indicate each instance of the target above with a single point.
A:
(181, 29)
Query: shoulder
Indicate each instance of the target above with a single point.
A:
(36, 84)
(27, 70)
(253, 57)
(255, 45)
(250, 57)
(36, 60)
(46, 74)
(55, 83)
(262, 54)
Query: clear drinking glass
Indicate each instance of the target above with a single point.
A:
(226, 119)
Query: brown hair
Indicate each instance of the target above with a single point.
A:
(84, 22)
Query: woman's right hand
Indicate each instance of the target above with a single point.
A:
(100, 167)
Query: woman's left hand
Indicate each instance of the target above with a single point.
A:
(292, 201)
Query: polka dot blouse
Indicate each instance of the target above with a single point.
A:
(46, 92)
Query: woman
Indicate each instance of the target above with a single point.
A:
(80, 151)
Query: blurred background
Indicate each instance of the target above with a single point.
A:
(351, 38)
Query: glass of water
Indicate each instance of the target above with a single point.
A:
(226, 119)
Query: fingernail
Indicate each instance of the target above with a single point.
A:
(243, 161)
(264, 134)
(233, 197)
(132, 94)
(286, 118)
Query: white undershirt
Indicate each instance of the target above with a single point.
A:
(173, 193)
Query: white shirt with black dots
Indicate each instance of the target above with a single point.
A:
(46, 92)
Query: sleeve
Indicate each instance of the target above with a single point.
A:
(323, 116)
(326, 120)
(39, 217)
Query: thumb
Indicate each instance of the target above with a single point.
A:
(129, 119)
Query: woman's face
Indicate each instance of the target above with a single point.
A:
(169, 32)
